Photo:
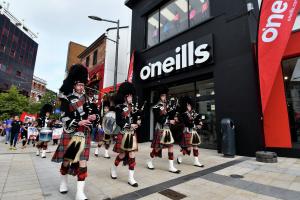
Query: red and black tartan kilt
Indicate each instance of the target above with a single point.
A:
(118, 144)
(62, 147)
(185, 141)
(156, 140)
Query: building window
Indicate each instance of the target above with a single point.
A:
(153, 29)
(199, 11)
(95, 57)
(87, 61)
(175, 17)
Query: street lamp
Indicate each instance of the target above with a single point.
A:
(117, 46)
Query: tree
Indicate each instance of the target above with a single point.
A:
(47, 98)
(12, 103)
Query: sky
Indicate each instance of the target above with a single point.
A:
(58, 22)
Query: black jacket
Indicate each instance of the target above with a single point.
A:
(76, 108)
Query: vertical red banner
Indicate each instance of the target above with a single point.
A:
(130, 69)
(277, 18)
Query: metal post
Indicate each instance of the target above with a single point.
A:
(116, 58)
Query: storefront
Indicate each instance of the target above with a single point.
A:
(204, 49)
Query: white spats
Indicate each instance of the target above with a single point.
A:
(37, 152)
(63, 188)
(172, 168)
(106, 155)
(179, 159)
(80, 191)
(150, 163)
(131, 180)
(197, 163)
(96, 151)
(113, 172)
(43, 153)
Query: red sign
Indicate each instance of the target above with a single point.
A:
(277, 18)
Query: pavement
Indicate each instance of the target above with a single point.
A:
(24, 176)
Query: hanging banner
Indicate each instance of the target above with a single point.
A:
(277, 18)
(276, 22)
(130, 69)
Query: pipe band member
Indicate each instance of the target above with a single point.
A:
(164, 112)
(103, 138)
(190, 139)
(128, 119)
(78, 116)
(44, 125)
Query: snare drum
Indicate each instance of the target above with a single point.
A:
(45, 134)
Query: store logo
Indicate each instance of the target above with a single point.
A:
(270, 31)
(186, 56)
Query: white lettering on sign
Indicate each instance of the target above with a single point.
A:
(186, 56)
(270, 31)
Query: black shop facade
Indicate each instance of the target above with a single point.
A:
(203, 49)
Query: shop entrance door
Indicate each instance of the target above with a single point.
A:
(206, 108)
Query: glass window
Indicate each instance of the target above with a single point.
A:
(87, 61)
(153, 29)
(199, 11)
(173, 18)
(291, 73)
(95, 57)
(297, 23)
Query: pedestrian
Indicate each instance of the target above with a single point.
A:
(45, 127)
(2, 129)
(8, 129)
(103, 138)
(24, 133)
(15, 130)
(78, 116)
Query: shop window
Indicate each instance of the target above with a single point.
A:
(95, 54)
(87, 61)
(173, 18)
(291, 77)
(199, 11)
(153, 29)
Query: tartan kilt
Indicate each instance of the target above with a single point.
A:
(185, 141)
(156, 140)
(62, 147)
(118, 144)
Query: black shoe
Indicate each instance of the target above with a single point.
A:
(64, 192)
(134, 185)
(175, 172)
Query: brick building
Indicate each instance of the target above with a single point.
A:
(74, 49)
(17, 53)
(38, 88)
